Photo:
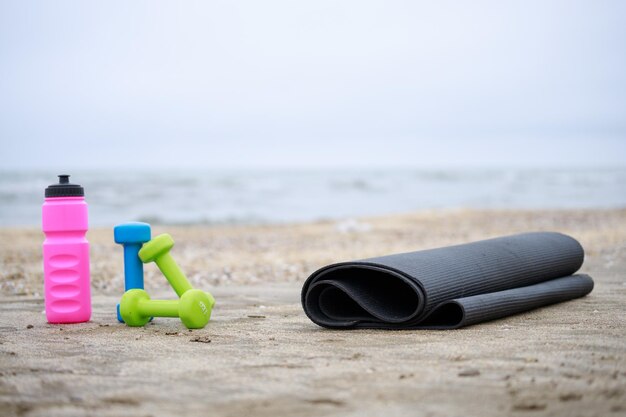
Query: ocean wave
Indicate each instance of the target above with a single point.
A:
(249, 197)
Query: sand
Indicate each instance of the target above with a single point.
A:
(261, 356)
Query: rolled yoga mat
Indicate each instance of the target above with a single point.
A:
(449, 287)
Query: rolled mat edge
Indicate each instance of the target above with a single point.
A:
(448, 287)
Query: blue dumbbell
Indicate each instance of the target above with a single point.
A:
(132, 236)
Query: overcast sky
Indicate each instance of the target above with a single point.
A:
(312, 83)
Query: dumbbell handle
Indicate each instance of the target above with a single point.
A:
(173, 273)
(133, 267)
(158, 308)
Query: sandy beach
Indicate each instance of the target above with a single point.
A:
(261, 356)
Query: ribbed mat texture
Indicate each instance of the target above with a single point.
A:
(449, 287)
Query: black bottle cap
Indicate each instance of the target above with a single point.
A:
(64, 188)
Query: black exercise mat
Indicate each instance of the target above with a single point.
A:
(449, 287)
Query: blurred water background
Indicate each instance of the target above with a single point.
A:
(488, 104)
(263, 196)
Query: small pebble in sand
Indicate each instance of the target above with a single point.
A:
(570, 396)
(30, 326)
(201, 339)
(469, 372)
(529, 406)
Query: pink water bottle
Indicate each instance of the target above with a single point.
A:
(66, 253)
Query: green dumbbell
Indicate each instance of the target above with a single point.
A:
(158, 250)
(193, 308)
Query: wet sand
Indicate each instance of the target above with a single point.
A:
(261, 356)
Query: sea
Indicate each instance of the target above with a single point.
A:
(263, 196)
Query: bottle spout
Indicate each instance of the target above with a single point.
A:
(64, 188)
